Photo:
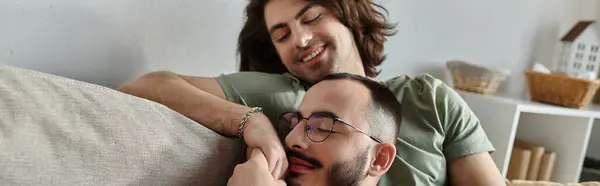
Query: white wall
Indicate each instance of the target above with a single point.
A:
(507, 34)
(108, 42)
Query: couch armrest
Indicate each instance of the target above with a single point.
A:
(59, 131)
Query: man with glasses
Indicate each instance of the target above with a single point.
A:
(342, 133)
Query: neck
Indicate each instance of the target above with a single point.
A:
(354, 68)
(369, 181)
(353, 63)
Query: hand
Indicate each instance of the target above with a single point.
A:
(259, 133)
(254, 172)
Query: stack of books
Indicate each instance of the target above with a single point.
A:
(530, 161)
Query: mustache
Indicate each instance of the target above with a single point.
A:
(314, 162)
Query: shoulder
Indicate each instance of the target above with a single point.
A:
(421, 88)
(437, 126)
(427, 95)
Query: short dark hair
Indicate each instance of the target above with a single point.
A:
(385, 112)
(369, 27)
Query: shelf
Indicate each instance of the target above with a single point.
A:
(592, 110)
(565, 131)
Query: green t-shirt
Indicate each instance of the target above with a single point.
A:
(437, 124)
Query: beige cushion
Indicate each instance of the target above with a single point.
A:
(58, 131)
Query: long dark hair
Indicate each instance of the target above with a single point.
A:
(368, 25)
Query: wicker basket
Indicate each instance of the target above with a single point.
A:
(596, 98)
(474, 78)
(560, 89)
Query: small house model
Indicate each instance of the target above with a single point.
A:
(581, 49)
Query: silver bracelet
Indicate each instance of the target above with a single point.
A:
(245, 119)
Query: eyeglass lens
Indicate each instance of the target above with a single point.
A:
(318, 127)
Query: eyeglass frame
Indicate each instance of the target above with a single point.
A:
(335, 120)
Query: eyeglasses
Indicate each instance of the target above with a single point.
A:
(319, 125)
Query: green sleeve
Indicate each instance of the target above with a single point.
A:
(437, 126)
(463, 132)
(276, 93)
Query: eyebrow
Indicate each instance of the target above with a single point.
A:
(300, 13)
(317, 112)
(326, 113)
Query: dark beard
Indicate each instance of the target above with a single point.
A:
(348, 173)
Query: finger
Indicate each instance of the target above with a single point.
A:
(281, 167)
(254, 152)
(271, 156)
(258, 157)
(230, 181)
(280, 183)
(277, 171)
(284, 167)
(249, 151)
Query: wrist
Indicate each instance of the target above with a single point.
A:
(252, 113)
(244, 122)
(235, 117)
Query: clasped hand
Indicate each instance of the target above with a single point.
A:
(253, 172)
(259, 133)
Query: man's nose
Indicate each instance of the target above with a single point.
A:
(302, 37)
(296, 139)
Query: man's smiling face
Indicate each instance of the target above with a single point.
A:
(309, 38)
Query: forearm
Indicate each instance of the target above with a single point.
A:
(176, 93)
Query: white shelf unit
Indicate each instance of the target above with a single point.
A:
(562, 130)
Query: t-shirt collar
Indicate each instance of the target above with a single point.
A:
(304, 84)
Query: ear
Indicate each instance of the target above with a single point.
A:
(382, 160)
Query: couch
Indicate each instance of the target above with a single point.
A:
(59, 131)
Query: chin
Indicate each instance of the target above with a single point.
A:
(294, 180)
(298, 181)
(320, 73)
(314, 78)
(309, 178)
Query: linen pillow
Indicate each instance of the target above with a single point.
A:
(59, 131)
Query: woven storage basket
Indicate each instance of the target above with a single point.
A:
(560, 89)
(596, 98)
(474, 78)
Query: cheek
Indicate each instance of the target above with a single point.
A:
(338, 33)
(285, 54)
(328, 30)
(331, 153)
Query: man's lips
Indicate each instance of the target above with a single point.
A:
(300, 166)
(309, 51)
(311, 54)
(298, 161)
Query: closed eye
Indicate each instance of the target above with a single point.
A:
(314, 19)
(325, 130)
(283, 37)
